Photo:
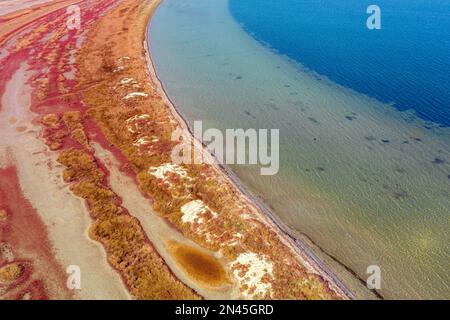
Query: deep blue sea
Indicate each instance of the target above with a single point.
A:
(406, 63)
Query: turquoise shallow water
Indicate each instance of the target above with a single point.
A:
(365, 183)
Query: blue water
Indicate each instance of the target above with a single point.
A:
(406, 63)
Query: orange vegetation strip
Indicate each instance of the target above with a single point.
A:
(141, 126)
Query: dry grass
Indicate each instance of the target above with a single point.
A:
(10, 272)
(73, 121)
(53, 132)
(50, 120)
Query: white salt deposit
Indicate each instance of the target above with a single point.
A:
(139, 117)
(234, 241)
(193, 211)
(131, 125)
(142, 141)
(162, 171)
(126, 81)
(133, 95)
(251, 281)
(118, 69)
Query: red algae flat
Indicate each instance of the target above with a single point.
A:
(26, 235)
(36, 46)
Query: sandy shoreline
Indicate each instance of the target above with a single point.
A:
(305, 255)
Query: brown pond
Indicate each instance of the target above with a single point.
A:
(199, 265)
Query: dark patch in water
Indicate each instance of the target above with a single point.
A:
(238, 78)
(401, 194)
(287, 86)
(363, 179)
(248, 113)
(294, 93)
(313, 120)
(272, 106)
(438, 161)
(400, 170)
(405, 142)
(321, 169)
(350, 118)
(397, 192)
(416, 139)
(386, 141)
